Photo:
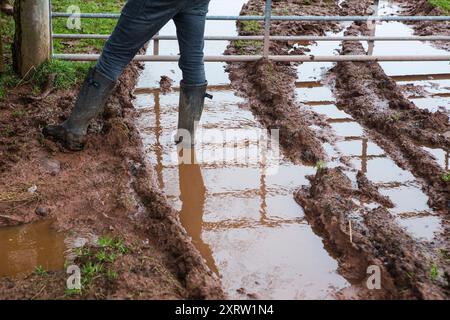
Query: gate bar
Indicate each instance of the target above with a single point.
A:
(277, 18)
(283, 58)
(273, 38)
(267, 25)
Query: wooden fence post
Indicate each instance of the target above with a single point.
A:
(32, 38)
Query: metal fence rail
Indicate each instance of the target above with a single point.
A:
(280, 58)
(274, 18)
(273, 38)
(267, 38)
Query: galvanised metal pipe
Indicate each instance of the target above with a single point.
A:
(277, 18)
(273, 38)
(267, 24)
(285, 58)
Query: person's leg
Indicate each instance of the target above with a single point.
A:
(140, 20)
(190, 23)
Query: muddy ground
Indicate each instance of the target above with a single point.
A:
(109, 188)
(105, 191)
(427, 28)
(332, 202)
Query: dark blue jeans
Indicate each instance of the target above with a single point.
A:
(142, 19)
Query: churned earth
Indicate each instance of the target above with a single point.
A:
(358, 219)
(376, 190)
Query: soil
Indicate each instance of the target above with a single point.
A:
(401, 129)
(108, 189)
(165, 84)
(376, 240)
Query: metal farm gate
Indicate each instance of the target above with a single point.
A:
(267, 38)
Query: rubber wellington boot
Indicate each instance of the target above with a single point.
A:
(90, 103)
(192, 101)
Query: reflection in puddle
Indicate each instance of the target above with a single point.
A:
(398, 184)
(23, 248)
(441, 156)
(436, 71)
(244, 221)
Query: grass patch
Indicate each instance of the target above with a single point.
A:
(321, 165)
(96, 263)
(443, 4)
(68, 74)
(88, 26)
(251, 26)
(40, 271)
(434, 272)
(7, 78)
(446, 177)
(246, 46)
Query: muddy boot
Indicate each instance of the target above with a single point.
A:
(192, 101)
(90, 103)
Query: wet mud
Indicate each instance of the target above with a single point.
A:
(360, 183)
(356, 213)
(106, 190)
(375, 239)
(270, 86)
(427, 28)
(374, 99)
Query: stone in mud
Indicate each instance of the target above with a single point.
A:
(42, 211)
(51, 166)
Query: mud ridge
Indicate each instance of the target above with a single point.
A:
(376, 241)
(374, 100)
(270, 87)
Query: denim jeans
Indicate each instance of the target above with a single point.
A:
(142, 19)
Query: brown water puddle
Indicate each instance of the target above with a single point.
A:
(244, 221)
(433, 78)
(411, 208)
(23, 248)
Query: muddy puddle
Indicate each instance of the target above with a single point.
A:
(244, 221)
(24, 248)
(435, 84)
(240, 214)
(411, 208)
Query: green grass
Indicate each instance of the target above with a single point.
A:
(88, 26)
(7, 79)
(443, 4)
(320, 165)
(252, 27)
(97, 262)
(68, 74)
(40, 271)
(434, 272)
(446, 177)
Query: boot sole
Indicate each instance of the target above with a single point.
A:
(72, 146)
